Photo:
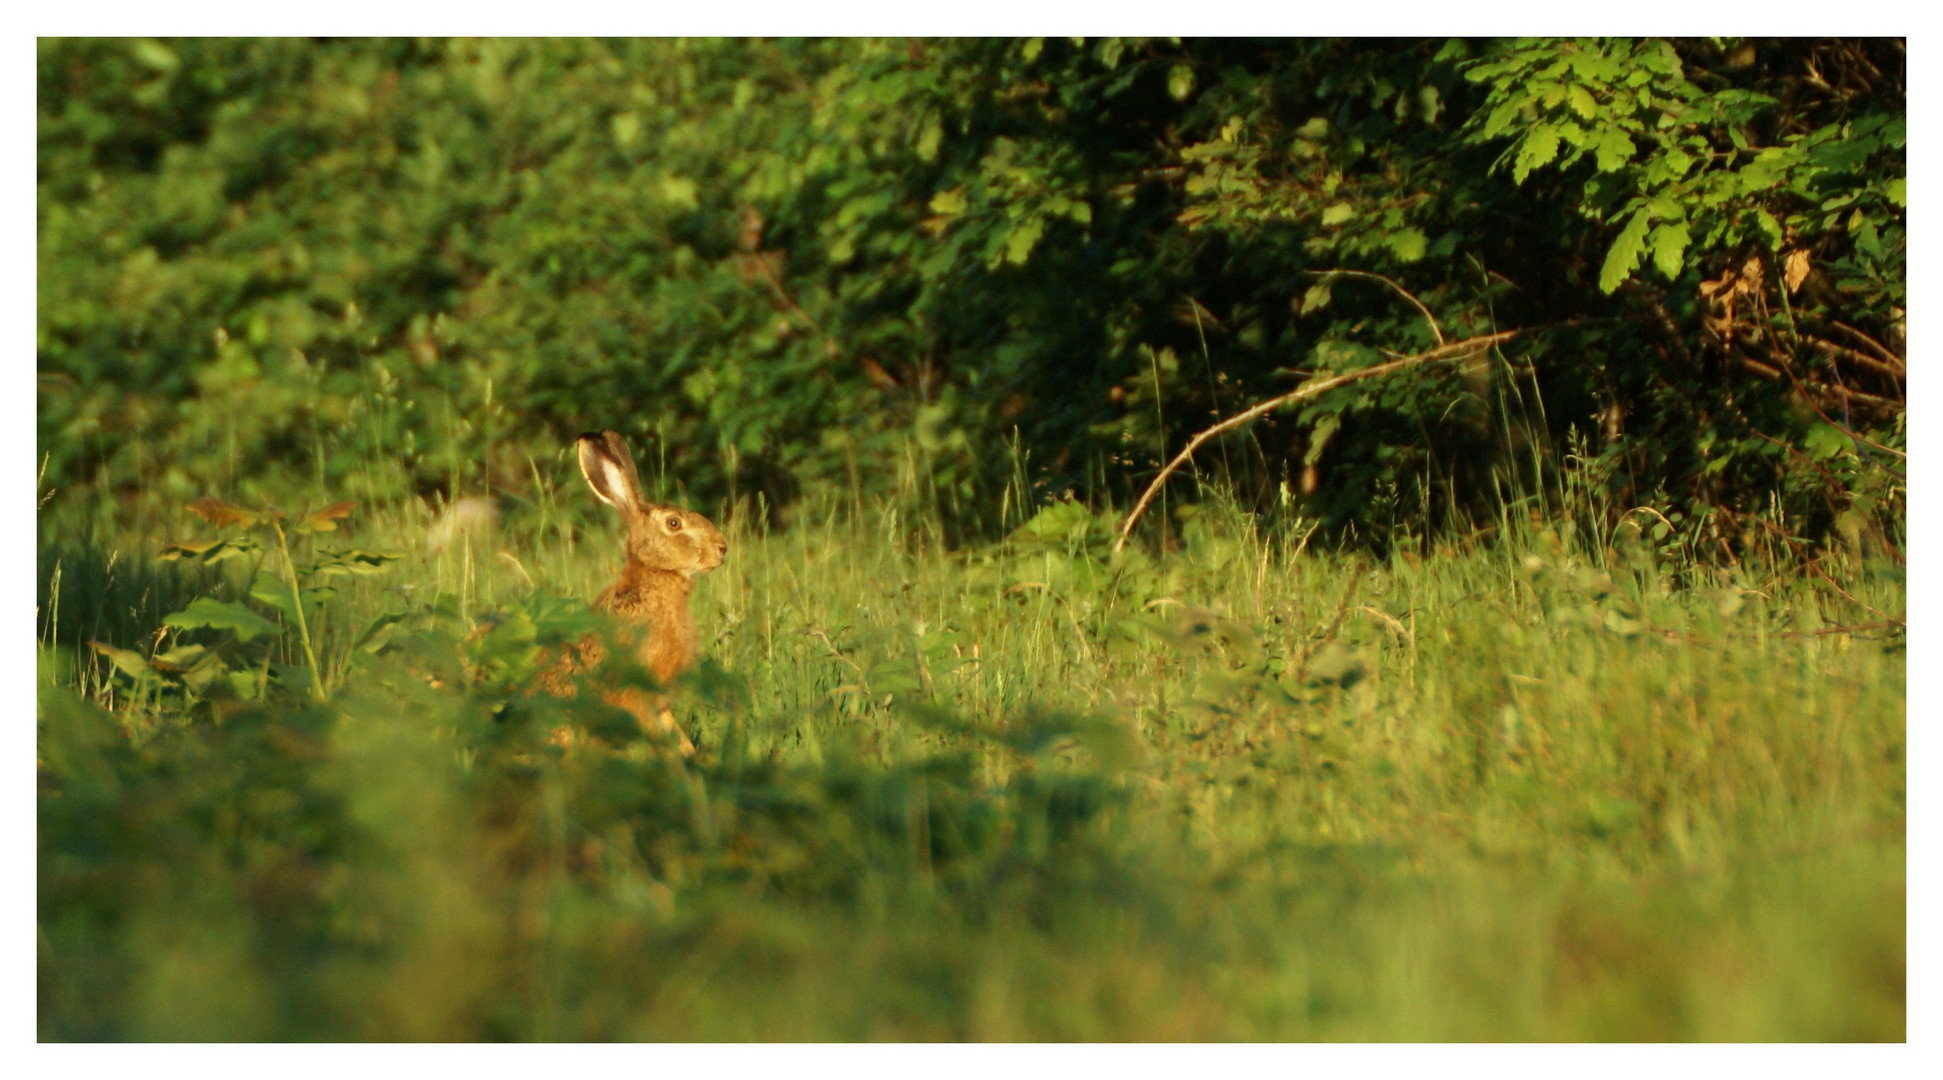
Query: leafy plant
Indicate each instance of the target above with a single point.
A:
(280, 589)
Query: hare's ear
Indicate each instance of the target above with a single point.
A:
(609, 470)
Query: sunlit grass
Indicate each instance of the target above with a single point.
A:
(1243, 789)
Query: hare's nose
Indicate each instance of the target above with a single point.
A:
(722, 549)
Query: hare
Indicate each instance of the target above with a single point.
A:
(666, 548)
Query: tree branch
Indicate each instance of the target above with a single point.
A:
(1457, 351)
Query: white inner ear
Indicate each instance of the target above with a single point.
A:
(616, 477)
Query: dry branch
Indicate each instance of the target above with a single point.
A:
(1400, 291)
(1459, 350)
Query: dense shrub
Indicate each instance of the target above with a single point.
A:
(792, 265)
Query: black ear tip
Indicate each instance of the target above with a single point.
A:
(588, 436)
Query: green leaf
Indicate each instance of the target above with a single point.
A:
(1537, 151)
(1180, 82)
(209, 551)
(130, 663)
(1316, 297)
(626, 127)
(1866, 239)
(1337, 214)
(353, 562)
(271, 592)
(1825, 441)
(929, 138)
(1669, 245)
(950, 202)
(223, 615)
(1325, 429)
(1501, 117)
(1023, 237)
(1625, 251)
(1678, 161)
(680, 192)
(1615, 149)
(1665, 206)
(1581, 101)
(1898, 193)
(1408, 244)
(377, 634)
(154, 55)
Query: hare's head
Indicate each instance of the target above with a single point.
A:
(658, 537)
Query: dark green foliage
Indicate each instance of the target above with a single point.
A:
(395, 267)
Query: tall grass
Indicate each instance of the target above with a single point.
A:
(1568, 784)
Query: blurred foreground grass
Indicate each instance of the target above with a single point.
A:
(1243, 790)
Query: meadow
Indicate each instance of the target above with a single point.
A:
(1517, 654)
(1556, 781)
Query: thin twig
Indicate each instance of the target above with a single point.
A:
(1879, 348)
(1400, 290)
(1843, 428)
(1879, 367)
(1813, 566)
(1458, 351)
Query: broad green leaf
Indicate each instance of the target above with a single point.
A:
(681, 192)
(929, 138)
(1501, 117)
(1338, 213)
(1615, 150)
(1825, 441)
(129, 662)
(1408, 244)
(154, 55)
(1325, 429)
(377, 634)
(1020, 241)
(626, 127)
(1897, 190)
(1180, 82)
(353, 562)
(209, 551)
(244, 684)
(1625, 251)
(950, 202)
(247, 625)
(1866, 238)
(1581, 100)
(1669, 243)
(1537, 151)
(178, 658)
(271, 591)
(1316, 298)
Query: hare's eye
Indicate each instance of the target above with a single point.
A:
(674, 524)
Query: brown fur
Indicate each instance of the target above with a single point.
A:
(666, 548)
